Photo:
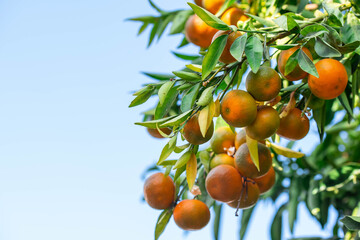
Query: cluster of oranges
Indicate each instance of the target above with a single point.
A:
(233, 178)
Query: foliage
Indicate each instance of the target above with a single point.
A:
(329, 175)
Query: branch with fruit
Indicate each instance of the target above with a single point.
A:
(316, 50)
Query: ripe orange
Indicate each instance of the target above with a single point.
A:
(332, 79)
(191, 214)
(294, 126)
(245, 165)
(297, 73)
(221, 159)
(223, 183)
(159, 191)
(249, 197)
(266, 182)
(226, 56)
(192, 133)
(222, 140)
(265, 125)
(198, 32)
(233, 15)
(238, 108)
(263, 85)
(213, 6)
(155, 133)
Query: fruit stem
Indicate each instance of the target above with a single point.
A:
(306, 105)
(233, 78)
(213, 76)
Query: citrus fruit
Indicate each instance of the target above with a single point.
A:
(226, 56)
(192, 133)
(266, 181)
(198, 32)
(294, 126)
(191, 214)
(222, 140)
(220, 159)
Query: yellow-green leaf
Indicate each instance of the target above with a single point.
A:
(286, 152)
(195, 67)
(191, 170)
(183, 160)
(253, 149)
(206, 117)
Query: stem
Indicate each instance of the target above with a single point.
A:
(233, 78)
(307, 104)
(212, 77)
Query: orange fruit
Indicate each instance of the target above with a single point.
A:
(198, 2)
(233, 15)
(238, 108)
(191, 214)
(213, 6)
(198, 32)
(245, 165)
(297, 73)
(263, 85)
(192, 133)
(294, 126)
(159, 191)
(226, 56)
(221, 159)
(266, 182)
(222, 140)
(265, 125)
(155, 133)
(223, 183)
(332, 79)
(249, 197)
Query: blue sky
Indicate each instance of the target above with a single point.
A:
(70, 156)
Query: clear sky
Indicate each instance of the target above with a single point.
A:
(70, 156)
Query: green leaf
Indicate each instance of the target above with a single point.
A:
(334, 12)
(350, 32)
(292, 62)
(284, 47)
(190, 76)
(153, 123)
(153, 32)
(163, 24)
(176, 121)
(306, 64)
(209, 18)
(186, 56)
(313, 30)
(183, 43)
(319, 116)
(350, 47)
(205, 160)
(302, 5)
(159, 76)
(286, 22)
(206, 96)
(294, 192)
(263, 21)
(189, 98)
(346, 104)
(254, 52)
(351, 222)
(325, 50)
(286, 152)
(180, 21)
(245, 219)
(163, 108)
(217, 220)
(183, 160)
(164, 90)
(276, 226)
(179, 171)
(150, 19)
(213, 55)
(238, 47)
(162, 222)
(167, 150)
(143, 27)
(142, 97)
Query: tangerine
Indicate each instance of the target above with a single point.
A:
(294, 126)
(265, 125)
(198, 32)
(192, 133)
(223, 183)
(226, 56)
(297, 73)
(238, 108)
(266, 182)
(263, 85)
(221, 159)
(233, 15)
(245, 165)
(332, 79)
(213, 6)
(155, 133)
(191, 214)
(249, 197)
(222, 140)
(159, 191)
